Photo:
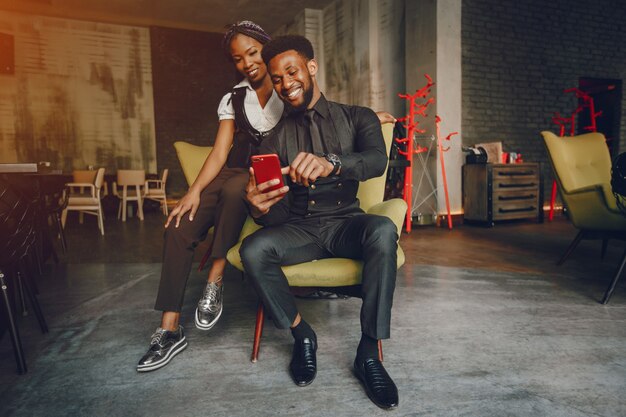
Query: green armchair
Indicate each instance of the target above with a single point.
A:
(332, 272)
(582, 167)
(191, 158)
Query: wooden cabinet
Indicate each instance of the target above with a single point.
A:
(493, 192)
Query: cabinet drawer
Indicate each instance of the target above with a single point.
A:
(515, 178)
(514, 196)
(517, 210)
(515, 204)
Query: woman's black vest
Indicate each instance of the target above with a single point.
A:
(247, 139)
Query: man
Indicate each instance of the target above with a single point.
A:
(325, 148)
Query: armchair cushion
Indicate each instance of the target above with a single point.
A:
(330, 272)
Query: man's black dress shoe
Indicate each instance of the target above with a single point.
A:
(379, 386)
(303, 364)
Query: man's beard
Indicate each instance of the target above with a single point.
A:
(307, 95)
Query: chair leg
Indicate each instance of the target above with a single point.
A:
(63, 218)
(611, 288)
(139, 203)
(61, 232)
(100, 219)
(571, 247)
(28, 286)
(15, 335)
(605, 243)
(258, 332)
(20, 292)
(124, 202)
(380, 350)
(205, 258)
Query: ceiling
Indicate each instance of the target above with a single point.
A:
(207, 15)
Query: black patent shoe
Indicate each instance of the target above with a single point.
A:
(303, 364)
(379, 386)
(164, 345)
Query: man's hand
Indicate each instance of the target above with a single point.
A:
(306, 168)
(260, 201)
(189, 202)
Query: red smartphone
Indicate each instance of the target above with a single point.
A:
(267, 167)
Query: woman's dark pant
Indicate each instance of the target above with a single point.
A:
(222, 205)
(372, 239)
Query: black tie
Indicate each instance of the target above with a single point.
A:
(316, 138)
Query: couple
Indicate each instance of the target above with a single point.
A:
(326, 149)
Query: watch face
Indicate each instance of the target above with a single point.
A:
(332, 158)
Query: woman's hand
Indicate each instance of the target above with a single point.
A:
(190, 202)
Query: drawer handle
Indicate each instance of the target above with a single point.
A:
(531, 208)
(515, 173)
(530, 184)
(516, 197)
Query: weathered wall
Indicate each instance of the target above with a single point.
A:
(364, 53)
(81, 95)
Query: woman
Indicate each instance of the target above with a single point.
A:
(215, 198)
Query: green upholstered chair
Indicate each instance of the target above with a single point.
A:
(332, 272)
(582, 167)
(191, 158)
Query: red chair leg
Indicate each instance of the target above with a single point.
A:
(204, 259)
(258, 332)
(552, 201)
(380, 350)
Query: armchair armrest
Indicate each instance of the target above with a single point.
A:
(597, 192)
(588, 189)
(395, 209)
(157, 183)
(80, 184)
(83, 185)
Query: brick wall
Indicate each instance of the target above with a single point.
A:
(190, 76)
(518, 57)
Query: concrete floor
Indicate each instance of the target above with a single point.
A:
(466, 341)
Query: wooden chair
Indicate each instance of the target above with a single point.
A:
(86, 202)
(157, 191)
(132, 182)
(344, 275)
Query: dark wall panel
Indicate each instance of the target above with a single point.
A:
(190, 76)
(518, 57)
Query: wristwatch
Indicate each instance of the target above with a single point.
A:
(333, 159)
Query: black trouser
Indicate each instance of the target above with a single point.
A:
(222, 204)
(370, 238)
